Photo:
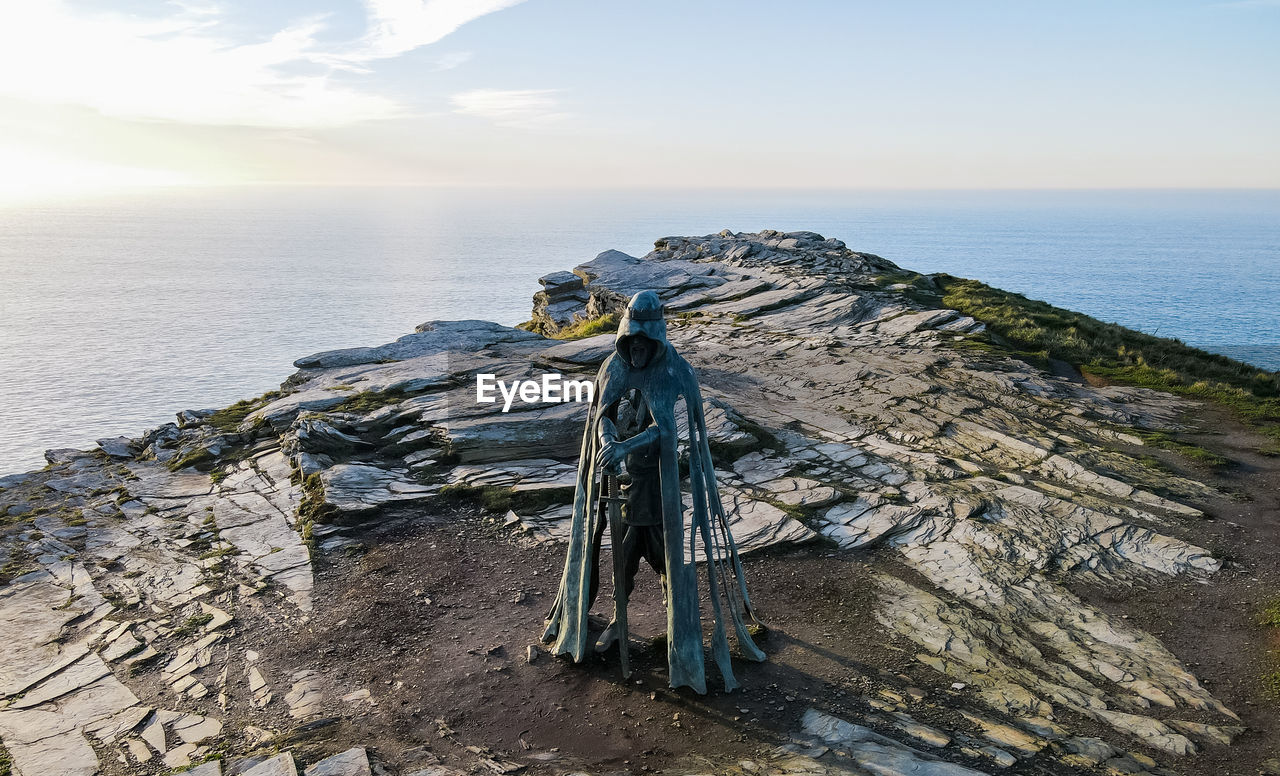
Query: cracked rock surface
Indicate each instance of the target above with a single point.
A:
(143, 575)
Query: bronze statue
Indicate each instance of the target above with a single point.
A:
(632, 423)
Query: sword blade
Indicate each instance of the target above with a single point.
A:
(619, 574)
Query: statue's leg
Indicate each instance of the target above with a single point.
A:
(631, 551)
(654, 550)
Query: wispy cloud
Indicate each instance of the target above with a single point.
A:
(524, 108)
(399, 26)
(185, 67)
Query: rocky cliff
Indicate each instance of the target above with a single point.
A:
(358, 563)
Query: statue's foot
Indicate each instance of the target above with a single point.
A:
(608, 637)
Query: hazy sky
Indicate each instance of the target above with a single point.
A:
(695, 93)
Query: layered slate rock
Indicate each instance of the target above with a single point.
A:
(839, 410)
(989, 480)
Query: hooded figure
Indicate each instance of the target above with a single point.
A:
(637, 391)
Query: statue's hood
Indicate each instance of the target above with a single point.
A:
(643, 318)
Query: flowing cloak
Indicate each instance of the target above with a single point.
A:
(664, 381)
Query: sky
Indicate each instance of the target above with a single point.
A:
(733, 94)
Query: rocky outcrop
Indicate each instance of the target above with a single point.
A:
(839, 411)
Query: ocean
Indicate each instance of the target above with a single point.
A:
(116, 313)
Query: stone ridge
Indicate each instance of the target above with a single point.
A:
(604, 285)
(839, 410)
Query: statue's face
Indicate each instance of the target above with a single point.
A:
(639, 350)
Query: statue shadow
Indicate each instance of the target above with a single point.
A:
(772, 697)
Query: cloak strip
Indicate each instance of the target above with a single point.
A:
(666, 379)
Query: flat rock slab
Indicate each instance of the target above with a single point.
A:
(358, 487)
(62, 754)
(627, 275)
(800, 491)
(305, 696)
(280, 765)
(35, 608)
(353, 762)
(156, 482)
(878, 754)
(584, 352)
(554, 432)
(534, 474)
(84, 671)
(433, 337)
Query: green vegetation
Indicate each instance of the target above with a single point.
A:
(1166, 441)
(200, 458)
(899, 278)
(118, 601)
(71, 600)
(219, 752)
(313, 508)
(496, 498)
(605, 324)
(220, 552)
(368, 401)
(192, 624)
(1270, 616)
(1271, 683)
(229, 419)
(6, 762)
(1037, 332)
(7, 520)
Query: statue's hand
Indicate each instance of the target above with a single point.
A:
(611, 456)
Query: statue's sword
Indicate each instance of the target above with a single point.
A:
(619, 572)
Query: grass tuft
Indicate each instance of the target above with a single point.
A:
(1271, 614)
(312, 508)
(228, 419)
(1166, 441)
(368, 401)
(192, 624)
(1037, 331)
(605, 324)
(1271, 683)
(200, 458)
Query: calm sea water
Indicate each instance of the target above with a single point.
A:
(114, 314)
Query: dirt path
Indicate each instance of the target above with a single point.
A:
(458, 662)
(435, 617)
